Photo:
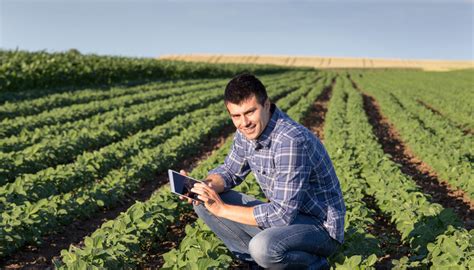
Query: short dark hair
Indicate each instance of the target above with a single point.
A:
(242, 87)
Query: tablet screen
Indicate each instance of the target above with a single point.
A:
(182, 185)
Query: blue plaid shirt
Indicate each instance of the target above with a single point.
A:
(293, 170)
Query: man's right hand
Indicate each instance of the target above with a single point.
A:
(183, 172)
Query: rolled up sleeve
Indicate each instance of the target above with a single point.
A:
(235, 167)
(292, 171)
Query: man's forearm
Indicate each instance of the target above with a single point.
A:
(241, 214)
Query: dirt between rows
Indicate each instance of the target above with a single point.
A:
(316, 116)
(387, 234)
(440, 190)
(41, 256)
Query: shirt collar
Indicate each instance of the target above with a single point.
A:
(264, 139)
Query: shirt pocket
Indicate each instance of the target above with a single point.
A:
(265, 165)
(265, 169)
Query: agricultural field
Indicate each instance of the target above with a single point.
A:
(85, 149)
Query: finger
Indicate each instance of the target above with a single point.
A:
(205, 199)
(208, 189)
(198, 191)
(199, 185)
(208, 192)
(185, 199)
(183, 172)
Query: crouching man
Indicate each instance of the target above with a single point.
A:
(303, 221)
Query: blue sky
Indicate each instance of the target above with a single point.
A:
(379, 29)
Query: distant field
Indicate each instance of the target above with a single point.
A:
(325, 62)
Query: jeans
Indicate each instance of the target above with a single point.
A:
(304, 244)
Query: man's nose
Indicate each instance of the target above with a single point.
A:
(245, 121)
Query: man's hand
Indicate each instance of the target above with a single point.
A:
(212, 200)
(183, 172)
(208, 193)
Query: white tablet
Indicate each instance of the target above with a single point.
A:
(181, 185)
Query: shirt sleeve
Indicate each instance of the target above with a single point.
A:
(235, 167)
(292, 171)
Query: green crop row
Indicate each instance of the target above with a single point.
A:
(21, 70)
(95, 165)
(53, 101)
(445, 148)
(299, 110)
(450, 93)
(62, 149)
(14, 126)
(360, 249)
(418, 221)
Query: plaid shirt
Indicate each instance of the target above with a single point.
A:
(294, 171)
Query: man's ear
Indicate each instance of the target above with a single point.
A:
(267, 104)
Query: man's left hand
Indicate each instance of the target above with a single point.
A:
(212, 200)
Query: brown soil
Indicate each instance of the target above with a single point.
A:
(439, 190)
(316, 116)
(387, 234)
(465, 130)
(41, 256)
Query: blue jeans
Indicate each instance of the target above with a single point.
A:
(303, 244)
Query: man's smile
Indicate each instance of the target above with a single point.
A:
(250, 129)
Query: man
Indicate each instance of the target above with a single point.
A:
(303, 221)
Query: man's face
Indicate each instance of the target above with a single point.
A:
(250, 117)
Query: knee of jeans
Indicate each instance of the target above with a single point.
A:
(263, 250)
